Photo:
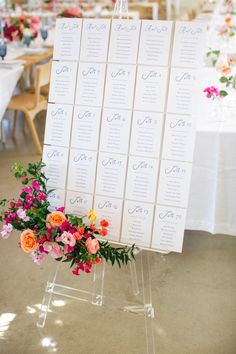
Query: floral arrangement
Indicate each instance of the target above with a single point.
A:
(70, 12)
(64, 237)
(228, 29)
(214, 93)
(15, 30)
(213, 55)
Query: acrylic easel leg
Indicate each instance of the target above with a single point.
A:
(98, 284)
(134, 278)
(147, 300)
(47, 297)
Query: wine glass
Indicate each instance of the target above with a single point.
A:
(3, 50)
(44, 33)
(27, 40)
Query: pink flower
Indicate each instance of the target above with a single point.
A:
(53, 249)
(37, 258)
(35, 185)
(68, 239)
(92, 245)
(22, 215)
(7, 229)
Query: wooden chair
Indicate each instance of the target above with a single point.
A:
(32, 103)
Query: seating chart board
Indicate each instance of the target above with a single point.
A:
(121, 123)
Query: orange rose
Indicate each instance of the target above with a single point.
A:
(28, 241)
(56, 218)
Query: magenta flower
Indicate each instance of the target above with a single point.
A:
(62, 209)
(26, 190)
(29, 198)
(35, 185)
(41, 196)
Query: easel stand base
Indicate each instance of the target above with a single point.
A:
(139, 301)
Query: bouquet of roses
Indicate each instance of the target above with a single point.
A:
(64, 237)
(15, 29)
(71, 12)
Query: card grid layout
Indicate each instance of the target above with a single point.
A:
(120, 125)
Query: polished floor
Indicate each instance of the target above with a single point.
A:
(194, 295)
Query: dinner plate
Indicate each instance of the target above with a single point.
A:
(11, 63)
(34, 51)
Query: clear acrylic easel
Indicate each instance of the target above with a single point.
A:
(137, 301)
(140, 301)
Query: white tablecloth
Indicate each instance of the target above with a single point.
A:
(212, 201)
(9, 78)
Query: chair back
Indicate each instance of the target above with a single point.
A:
(42, 78)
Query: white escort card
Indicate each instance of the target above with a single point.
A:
(146, 134)
(142, 179)
(183, 84)
(95, 38)
(155, 42)
(82, 165)
(63, 79)
(137, 223)
(168, 229)
(124, 41)
(115, 131)
(188, 49)
(120, 124)
(174, 183)
(150, 88)
(78, 203)
(179, 138)
(110, 209)
(119, 86)
(89, 90)
(85, 128)
(111, 171)
(56, 160)
(58, 123)
(67, 39)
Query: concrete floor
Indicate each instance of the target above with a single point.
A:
(194, 295)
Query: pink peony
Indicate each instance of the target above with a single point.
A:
(53, 249)
(92, 245)
(68, 238)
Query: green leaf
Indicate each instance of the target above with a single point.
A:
(223, 79)
(223, 93)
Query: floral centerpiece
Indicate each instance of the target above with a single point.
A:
(16, 29)
(64, 237)
(71, 12)
(228, 29)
